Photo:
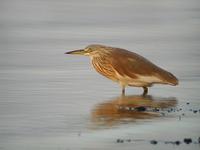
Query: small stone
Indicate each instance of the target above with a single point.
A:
(132, 108)
(163, 114)
(127, 108)
(195, 111)
(177, 142)
(199, 140)
(154, 142)
(118, 140)
(156, 109)
(128, 140)
(167, 142)
(141, 108)
(187, 140)
(187, 103)
(120, 107)
(183, 114)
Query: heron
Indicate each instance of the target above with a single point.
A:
(125, 67)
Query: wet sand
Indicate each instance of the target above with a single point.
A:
(52, 101)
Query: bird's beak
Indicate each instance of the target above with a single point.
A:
(76, 52)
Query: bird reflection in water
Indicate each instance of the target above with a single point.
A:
(125, 109)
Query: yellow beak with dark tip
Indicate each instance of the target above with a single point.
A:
(76, 52)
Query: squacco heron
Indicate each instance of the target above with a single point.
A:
(125, 67)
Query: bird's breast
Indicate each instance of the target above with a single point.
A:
(104, 67)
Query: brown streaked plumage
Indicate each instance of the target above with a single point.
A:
(125, 67)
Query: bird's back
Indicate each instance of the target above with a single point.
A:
(136, 67)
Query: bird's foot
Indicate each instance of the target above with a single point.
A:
(145, 91)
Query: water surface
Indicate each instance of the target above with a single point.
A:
(49, 100)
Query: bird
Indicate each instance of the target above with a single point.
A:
(127, 68)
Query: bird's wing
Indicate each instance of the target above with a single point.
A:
(130, 64)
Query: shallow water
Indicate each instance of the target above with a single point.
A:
(49, 100)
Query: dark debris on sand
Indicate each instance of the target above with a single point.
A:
(182, 112)
(163, 111)
(155, 142)
(187, 140)
(141, 108)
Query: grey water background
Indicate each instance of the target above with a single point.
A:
(47, 98)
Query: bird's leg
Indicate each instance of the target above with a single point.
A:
(145, 91)
(123, 90)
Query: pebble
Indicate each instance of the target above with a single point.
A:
(127, 108)
(120, 141)
(154, 142)
(163, 114)
(141, 108)
(177, 142)
(156, 109)
(167, 142)
(195, 111)
(128, 140)
(187, 140)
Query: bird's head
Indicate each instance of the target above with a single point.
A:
(91, 50)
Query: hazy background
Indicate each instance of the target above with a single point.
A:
(46, 97)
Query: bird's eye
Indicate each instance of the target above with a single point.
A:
(89, 50)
